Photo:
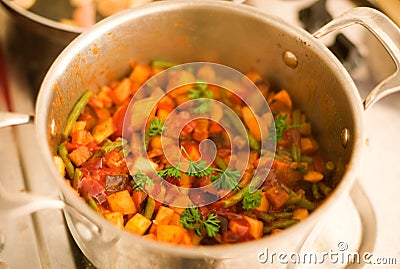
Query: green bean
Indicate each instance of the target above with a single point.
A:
(296, 122)
(119, 143)
(282, 215)
(314, 189)
(329, 167)
(324, 188)
(265, 217)
(162, 64)
(92, 203)
(253, 143)
(76, 111)
(220, 162)
(77, 178)
(279, 224)
(69, 167)
(305, 159)
(149, 209)
(236, 198)
(301, 202)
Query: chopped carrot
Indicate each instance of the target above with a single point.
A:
(214, 128)
(156, 142)
(277, 196)
(164, 215)
(200, 132)
(121, 202)
(170, 233)
(250, 120)
(115, 218)
(81, 137)
(80, 155)
(206, 73)
(138, 224)
(283, 97)
(103, 130)
(140, 73)
(121, 93)
(138, 197)
(308, 145)
(264, 204)
(256, 227)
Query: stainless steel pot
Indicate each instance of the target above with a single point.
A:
(240, 37)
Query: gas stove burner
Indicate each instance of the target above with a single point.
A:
(317, 15)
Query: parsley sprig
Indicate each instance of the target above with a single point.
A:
(140, 179)
(251, 200)
(156, 127)
(281, 126)
(191, 218)
(200, 92)
(226, 179)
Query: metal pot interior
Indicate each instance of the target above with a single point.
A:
(237, 36)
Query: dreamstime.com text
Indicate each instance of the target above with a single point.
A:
(339, 256)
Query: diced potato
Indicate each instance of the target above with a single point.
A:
(283, 97)
(80, 155)
(121, 93)
(175, 220)
(170, 233)
(206, 73)
(60, 165)
(138, 224)
(78, 126)
(239, 227)
(300, 213)
(308, 145)
(103, 130)
(81, 137)
(140, 112)
(256, 227)
(164, 215)
(115, 218)
(264, 204)
(140, 73)
(277, 196)
(122, 202)
(155, 142)
(150, 236)
(144, 165)
(313, 176)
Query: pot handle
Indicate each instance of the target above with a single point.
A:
(11, 118)
(386, 31)
(14, 205)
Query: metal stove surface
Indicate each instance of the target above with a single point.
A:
(43, 241)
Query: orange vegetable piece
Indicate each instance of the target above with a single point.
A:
(103, 130)
(256, 227)
(277, 196)
(164, 215)
(121, 202)
(140, 73)
(138, 224)
(171, 233)
(80, 155)
(121, 93)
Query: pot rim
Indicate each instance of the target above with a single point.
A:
(219, 251)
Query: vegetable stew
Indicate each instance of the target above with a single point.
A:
(97, 161)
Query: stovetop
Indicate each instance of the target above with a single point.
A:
(43, 241)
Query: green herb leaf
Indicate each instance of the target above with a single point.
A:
(200, 91)
(227, 180)
(140, 180)
(172, 171)
(199, 169)
(251, 200)
(212, 225)
(156, 127)
(191, 218)
(202, 106)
